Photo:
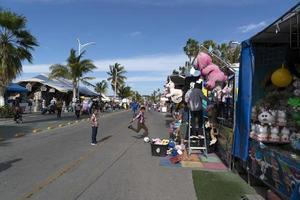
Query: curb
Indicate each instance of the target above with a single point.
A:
(36, 131)
(18, 135)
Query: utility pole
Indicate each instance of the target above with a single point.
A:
(80, 47)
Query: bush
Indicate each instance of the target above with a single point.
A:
(6, 112)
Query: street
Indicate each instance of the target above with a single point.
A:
(61, 164)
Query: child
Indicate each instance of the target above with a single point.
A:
(141, 122)
(94, 123)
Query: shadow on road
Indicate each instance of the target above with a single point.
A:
(8, 132)
(105, 138)
(6, 165)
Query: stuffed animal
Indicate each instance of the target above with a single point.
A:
(285, 134)
(281, 118)
(266, 117)
(202, 61)
(274, 137)
(213, 74)
(210, 71)
(253, 131)
(262, 134)
(175, 94)
(295, 140)
(226, 93)
(296, 85)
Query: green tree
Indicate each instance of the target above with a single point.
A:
(16, 45)
(191, 49)
(124, 91)
(101, 87)
(75, 70)
(137, 96)
(117, 76)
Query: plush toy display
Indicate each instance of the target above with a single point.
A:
(175, 94)
(210, 71)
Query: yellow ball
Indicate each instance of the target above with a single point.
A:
(281, 77)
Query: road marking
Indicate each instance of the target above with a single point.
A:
(61, 172)
(72, 165)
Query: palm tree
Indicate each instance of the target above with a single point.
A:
(124, 91)
(16, 44)
(210, 43)
(74, 70)
(191, 49)
(101, 87)
(117, 76)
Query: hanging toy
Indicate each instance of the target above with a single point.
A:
(281, 77)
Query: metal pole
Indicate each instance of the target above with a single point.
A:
(80, 46)
(116, 74)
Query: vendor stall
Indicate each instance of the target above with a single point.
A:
(267, 131)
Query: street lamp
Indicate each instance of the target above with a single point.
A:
(80, 47)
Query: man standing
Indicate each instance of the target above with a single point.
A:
(194, 99)
(140, 123)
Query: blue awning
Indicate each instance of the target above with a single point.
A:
(14, 87)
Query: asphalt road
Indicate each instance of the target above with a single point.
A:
(61, 164)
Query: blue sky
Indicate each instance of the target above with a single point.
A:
(146, 36)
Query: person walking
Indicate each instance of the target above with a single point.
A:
(94, 122)
(59, 106)
(77, 109)
(140, 123)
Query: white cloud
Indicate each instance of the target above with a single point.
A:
(250, 27)
(161, 63)
(135, 34)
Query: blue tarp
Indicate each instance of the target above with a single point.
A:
(243, 106)
(14, 87)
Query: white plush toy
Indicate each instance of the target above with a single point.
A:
(281, 118)
(274, 137)
(175, 94)
(266, 117)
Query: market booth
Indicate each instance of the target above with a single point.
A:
(267, 131)
(41, 88)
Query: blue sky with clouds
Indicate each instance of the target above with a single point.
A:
(146, 36)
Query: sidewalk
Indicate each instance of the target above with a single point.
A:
(35, 123)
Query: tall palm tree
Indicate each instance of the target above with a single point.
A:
(16, 44)
(191, 49)
(210, 43)
(75, 70)
(124, 91)
(101, 87)
(117, 76)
